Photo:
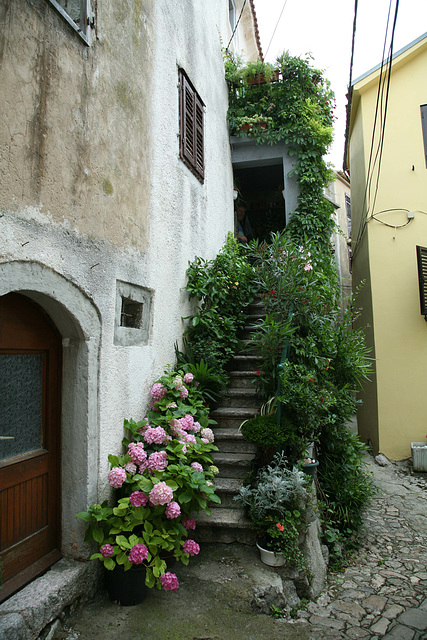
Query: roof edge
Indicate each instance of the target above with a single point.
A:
(257, 36)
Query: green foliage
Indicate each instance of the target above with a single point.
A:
(223, 287)
(168, 459)
(209, 382)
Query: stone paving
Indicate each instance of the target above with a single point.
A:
(381, 596)
(384, 595)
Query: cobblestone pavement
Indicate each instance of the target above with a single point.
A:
(384, 595)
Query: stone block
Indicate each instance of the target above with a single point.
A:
(415, 618)
(12, 627)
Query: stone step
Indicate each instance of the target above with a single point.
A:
(240, 398)
(242, 379)
(224, 526)
(233, 465)
(227, 488)
(232, 417)
(246, 362)
(229, 440)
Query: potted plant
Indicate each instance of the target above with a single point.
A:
(163, 478)
(276, 502)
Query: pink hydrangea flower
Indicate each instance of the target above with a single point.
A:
(188, 378)
(158, 391)
(169, 581)
(116, 477)
(186, 422)
(155, 435)
(177, 382)
(196, 427)
(196, 466)
(183, 393)
(130, 467)
(173, 510)
(137, 453)
(189, 438)
(107, 550)
(138, 554)
(204, 440)
(160, 494)
(188, 523)
(208, 434)
(157, 461)
(138, 499)
(191, 547)
(143, 467)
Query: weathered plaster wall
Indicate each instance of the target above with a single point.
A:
(93, 188)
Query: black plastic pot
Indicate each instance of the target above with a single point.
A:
(126, 588)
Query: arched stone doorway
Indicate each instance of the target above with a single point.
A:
(77, 324)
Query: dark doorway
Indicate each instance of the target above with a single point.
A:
(261, 193)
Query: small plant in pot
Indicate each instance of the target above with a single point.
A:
(276, 503)
(163, 478)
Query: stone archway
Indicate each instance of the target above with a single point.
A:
(78, 322)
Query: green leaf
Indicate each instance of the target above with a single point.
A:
(98, 534)
(109, 564)
(150, 580)
(123, 542)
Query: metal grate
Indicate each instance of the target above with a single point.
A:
(422, 278)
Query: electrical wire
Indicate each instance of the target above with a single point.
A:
(383, 105)
(277, 24)
(237, 24)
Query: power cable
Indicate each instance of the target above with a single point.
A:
(277, 24)
(237, 24)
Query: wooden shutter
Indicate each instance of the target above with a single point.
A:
(191, 127)
(422, 277)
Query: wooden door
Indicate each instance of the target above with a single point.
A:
(30, 382)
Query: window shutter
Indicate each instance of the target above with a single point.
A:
(191, 127)
(424, 128)
(422, 277)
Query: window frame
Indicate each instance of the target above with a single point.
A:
(191, 127)
(85, 14)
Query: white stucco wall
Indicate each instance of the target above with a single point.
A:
(94, 190)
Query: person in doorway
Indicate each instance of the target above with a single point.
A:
(244, 231)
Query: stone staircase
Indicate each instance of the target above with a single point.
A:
(227, 522)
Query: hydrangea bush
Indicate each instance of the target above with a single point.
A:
(164, 477)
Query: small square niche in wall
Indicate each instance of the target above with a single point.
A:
(132, 321)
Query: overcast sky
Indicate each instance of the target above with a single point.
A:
(324, 29)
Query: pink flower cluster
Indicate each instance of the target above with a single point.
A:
(158, 391)
(138, 554)
(191, 547)
(160, 494)
(137, 453)
(107, 550)
(173, 510)
(155, 435)
(188, 523)
(138, 499)
(197, 466)
(188, 378)
(169, 581)
(116, 477)
(130, 467)
(187, 422)
(157, 461)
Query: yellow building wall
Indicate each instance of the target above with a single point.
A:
(388, 256)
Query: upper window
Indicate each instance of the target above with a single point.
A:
(424, 126)
(191, 127)
(233, 20)
(78, 15)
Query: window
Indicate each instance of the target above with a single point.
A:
(78, 15)
(422, 278)
(348, 212)
(191, 127)
(424, 126)
(133, 315)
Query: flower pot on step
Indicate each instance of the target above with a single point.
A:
(270, 558)
(126, 588)
(309, 468)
